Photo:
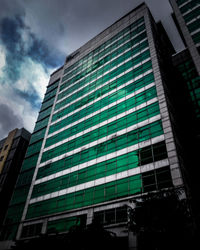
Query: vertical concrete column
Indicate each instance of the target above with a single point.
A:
(166, 123)
(132, 241)
(44, 226)
(19, 231)
(89, 216)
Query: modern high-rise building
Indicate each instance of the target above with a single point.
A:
(187, 64)
(187, 15)
(12, 152)
(103, 136)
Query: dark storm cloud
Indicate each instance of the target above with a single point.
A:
(40, 52)
(9, 120)
(17, 50)
(10, 29)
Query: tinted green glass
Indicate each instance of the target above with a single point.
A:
(38, 135)
(191, 15)
(189, 5)
(50, 94)
(34, 148)
(41, 124)
(104, 44)
(62, 225)
(92, 85)
(110, 128)
(44, 114)
(20, 195)
(179, 2)
(136, 85)
(192, 79)
(14, 213)
(25, 177)
(108, 99)
(47, 104)
(194, 25)
(151, 130)
(30, 162)
(115, 165)
(89, 137)
(108, 57)
(80, 199)
(82, 82)
(109, 113)
(103, 90)
(52, 86)
(196, 38)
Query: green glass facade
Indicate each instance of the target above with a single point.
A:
(115, 165)
(100, 134)
(187, 63)
(192, 79)
(188, 66)
(19, 197)
(190, 11)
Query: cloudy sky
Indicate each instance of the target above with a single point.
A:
(37, 35)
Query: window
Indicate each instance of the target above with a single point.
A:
(64, 225)
(5, 147)
(149, 181)
(111, 216)
(157, 179)
(1, 158)
(31, 230)
(146, 155)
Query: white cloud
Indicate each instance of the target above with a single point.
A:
(32, 74)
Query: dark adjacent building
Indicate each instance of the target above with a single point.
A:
(12, 152)
(187, 92)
